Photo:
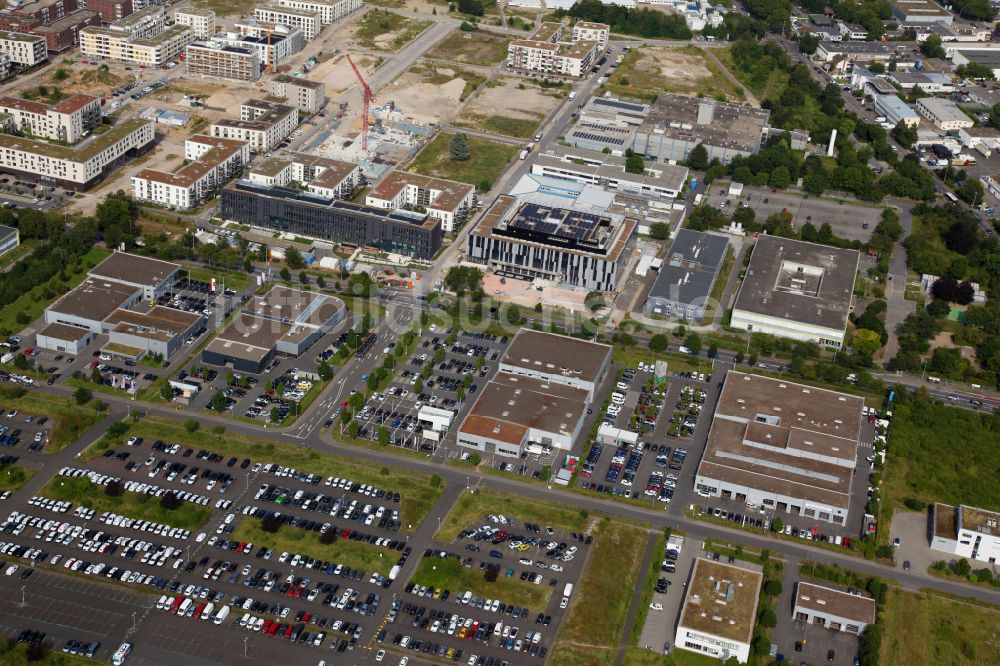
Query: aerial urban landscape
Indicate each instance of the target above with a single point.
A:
(513, 333)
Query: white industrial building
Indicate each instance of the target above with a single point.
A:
(782, 447)
(965, 531)
(658, 181)
(833, 609)
(943, 113)
(539, 395)
(798, 290)
(720, 609)
(895, 110)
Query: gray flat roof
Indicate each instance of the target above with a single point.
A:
(690, 268)
(820, 294)
(6, 231)
(134, 269)
(94, 299)
(556, 354)
(720, 124)
(65, 332)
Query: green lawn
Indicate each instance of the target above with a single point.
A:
(489, 159)
(417, 494)
(474, 48)
(471, 508)
(771, 89)
(13, 653)
(939, 453)
(401, 29)
(449, 574)
(676, 362)
(715, 306)
(227, 7)
(635, 656)
(235, 280)
(80, 490)
(12, 477)
(522, 128)
(924, 628)
(593, 629)
(69, 420)
(34, 302)
(352, 554)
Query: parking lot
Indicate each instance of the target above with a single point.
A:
(847, 219)
(28, 432)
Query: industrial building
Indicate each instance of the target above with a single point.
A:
(324, 176)
(79, 166)
(965, 531)
(684, 285)
(798, 290)
(215, 61)
(308, 96)
(330, 11)
(285, 320)
(920, 11)
(929, 82)
(210, 163)
(606, 123)
(895, 110)
(833, 609)
(10, 237)
(943, 113)
(262, 123)
(68, 120)
(539, 395)
(306, 21)
(677, 123)
(280, 208)
(445, 200)
(658, 181)
(201, 21)
(64, 338)
(539, 236)
(783, 447)
(152, 276)
(986, 57)
(719, 610)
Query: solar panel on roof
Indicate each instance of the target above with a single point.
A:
(603, 139)
(618, 104)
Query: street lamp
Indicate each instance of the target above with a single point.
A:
(245, 639)
(133, 621)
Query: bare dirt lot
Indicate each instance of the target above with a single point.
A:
(384, 31)
(337, 72)
(474, 48)
(509, 106)
(647, 70)
(429, 93)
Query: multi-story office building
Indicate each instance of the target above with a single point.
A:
(122, 46)
(534, 237)
(201, 21)
(720, 610)
(23, 50)
(262, 123)
(330, 11)
(308, 96)
(215, 61)
(833, 609)
(965, 531)
(683, 287)
(68, 121)
(307, 214)
(307, 21)
(79, 166)
(211, 163)
(446, 200)
(797, 290)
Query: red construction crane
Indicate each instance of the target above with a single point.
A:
(368, 97)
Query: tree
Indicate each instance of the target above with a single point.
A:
(458, 148)
(435, 481)
(303, 277)
(324, 371)
(693, 343)
(320, 281)
(472, 7)
(658, 343)
(352, 429)
(170, 501)
(293, 258)
(777, 525)
(219, 402)
(191, 426)
(713, 350)
(744, 216)
(114, 488)
(739, 357)
(772, 588)
(962, 567)
(270, 523)
(634, 163)
(167, 392)
(328, 537)
(460, 279)
(780, 177)
(659, 231)
(383, 435)
(698, 158)
(905, 135)
(594, 300)
(808, 43)
(866, 342)
(932, 48)
(82, 396)
(767, 618)
(285, 274)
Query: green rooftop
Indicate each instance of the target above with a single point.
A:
(80, 152)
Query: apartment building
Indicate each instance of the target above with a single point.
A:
(200, 21)
(324, 176)
(112, 10)
(308, 96)
(212, 162)
(79, 166)
(23, 50)
(445, 200)
(263, 123)
(588, 31)
(66, 121)
(144, 23)
(274, 44)
(530, 55)
(56, 21)
(155, 51)
(305, 20)
(330, 11)
(213, 60)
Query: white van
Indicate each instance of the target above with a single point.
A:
(934, 380)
